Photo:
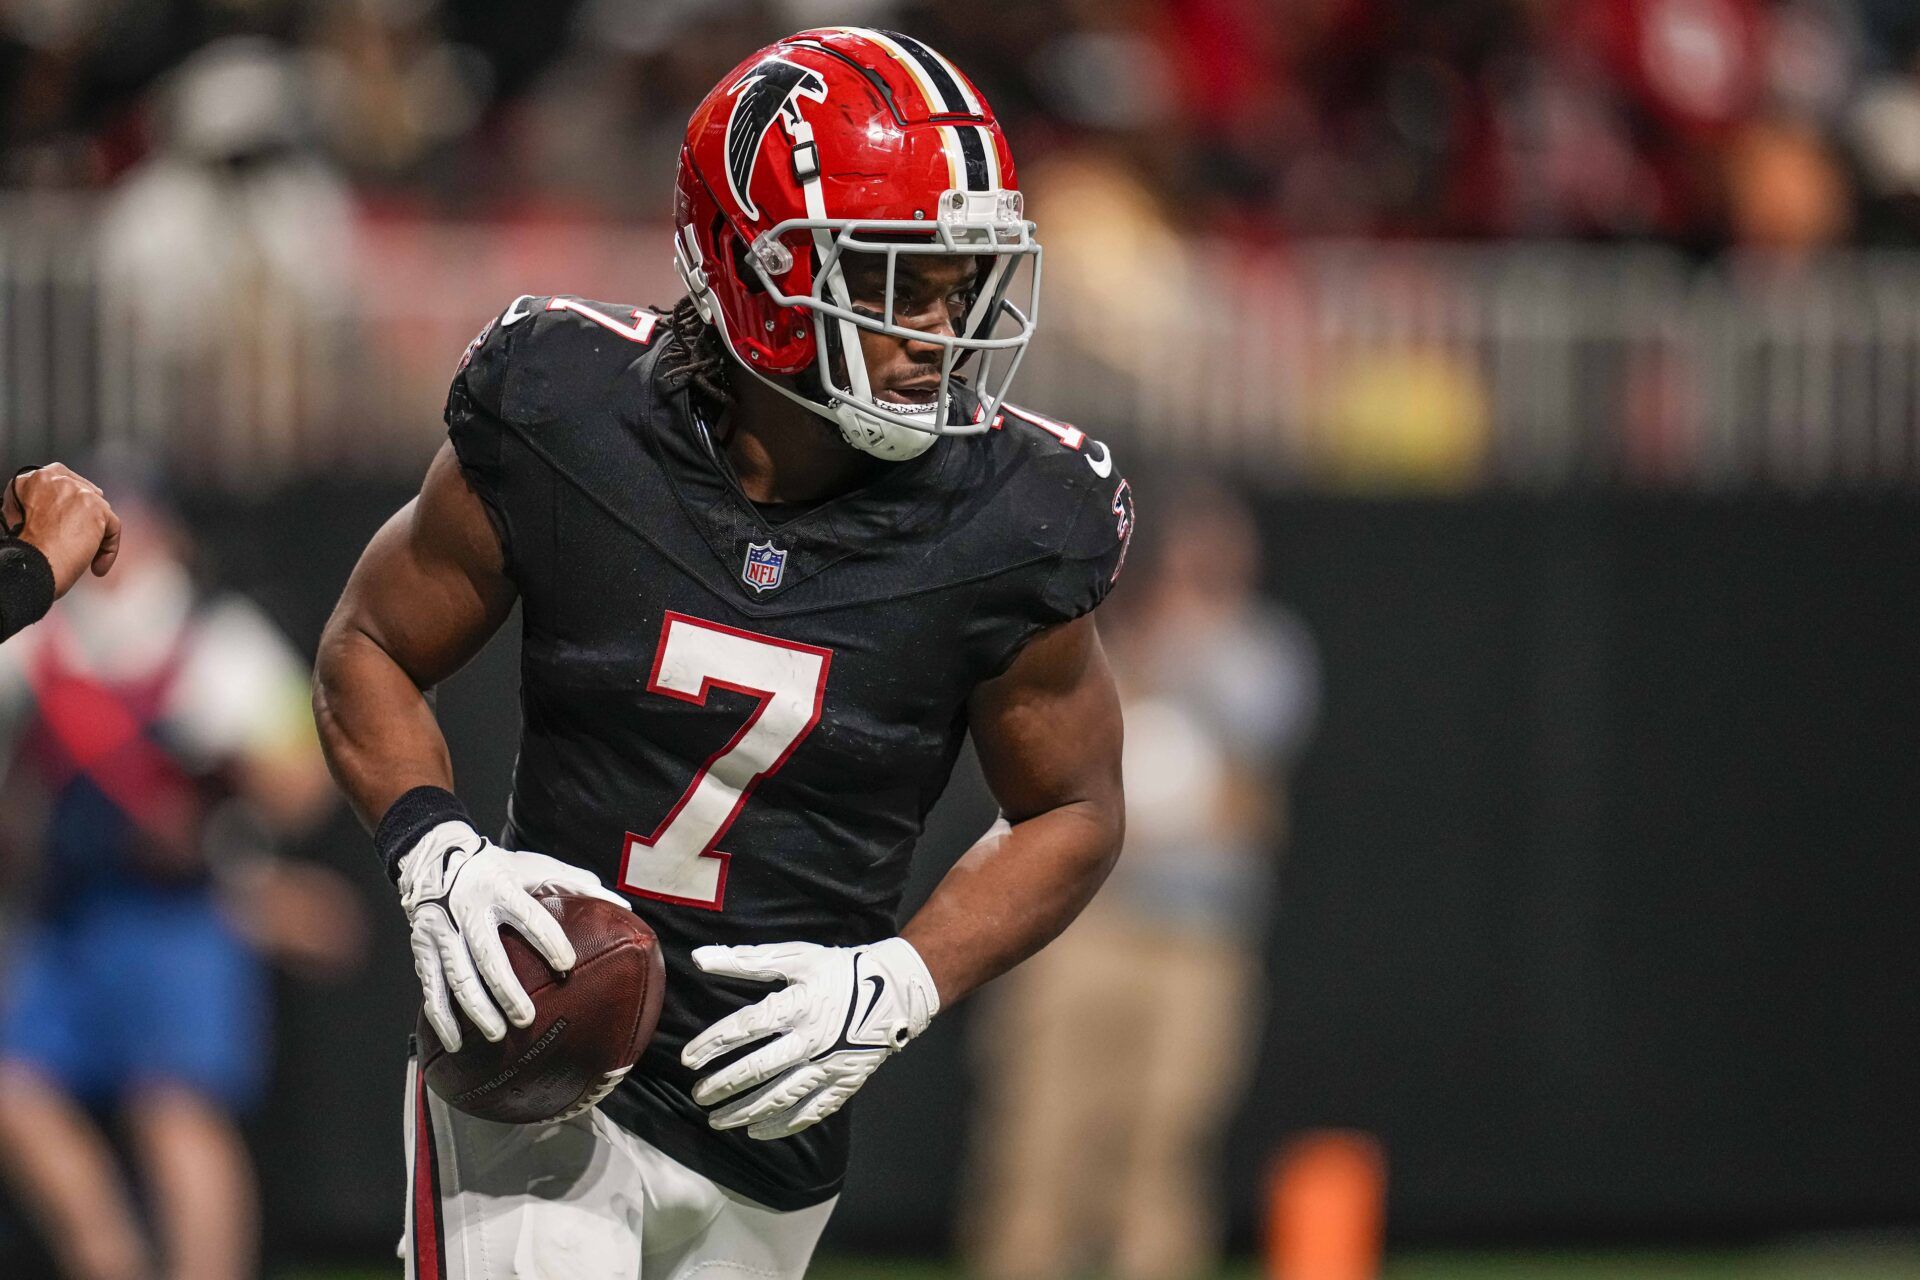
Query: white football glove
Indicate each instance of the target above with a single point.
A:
(843, 1012)
(458, 888)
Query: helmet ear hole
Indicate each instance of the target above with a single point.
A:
(743, 264)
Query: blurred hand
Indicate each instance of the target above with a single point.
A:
(67, 519)
(306, 917)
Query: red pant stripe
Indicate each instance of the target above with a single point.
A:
(429, 1243)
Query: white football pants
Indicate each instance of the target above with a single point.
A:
(581, 1199)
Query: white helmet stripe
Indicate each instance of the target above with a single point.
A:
(956, 157)
(966, 91)
(993, 156)
(941, 99)
(945, 77)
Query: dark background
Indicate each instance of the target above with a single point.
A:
(1598, 910)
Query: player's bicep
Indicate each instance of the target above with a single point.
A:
(1047, 730)
(432, 587)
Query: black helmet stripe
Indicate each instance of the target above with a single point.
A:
(974, 153)
(942, 80)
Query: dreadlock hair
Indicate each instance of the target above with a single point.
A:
(696, 358)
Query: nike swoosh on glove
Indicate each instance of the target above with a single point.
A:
(843, 1012)
(458, 888)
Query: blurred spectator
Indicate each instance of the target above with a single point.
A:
(1786, 190)
(154, 742)
(391, 93)
(1461, 118)
(233, 238)
(1884, 130)
(602, 128)
(1113, 1059)
(1095, 211)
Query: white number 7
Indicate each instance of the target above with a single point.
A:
(681, 861)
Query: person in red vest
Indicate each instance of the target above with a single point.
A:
(154, 739)
(56, 525)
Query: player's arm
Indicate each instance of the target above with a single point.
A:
(429, 591)
(1048, 735)
(57, 526)
(1047, 732)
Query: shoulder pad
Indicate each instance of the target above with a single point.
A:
(543, 363)
(512, 369)
(1066, 483)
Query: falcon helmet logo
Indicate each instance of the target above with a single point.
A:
(773, 88)
(764, 567)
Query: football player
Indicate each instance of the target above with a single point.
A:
(778, 551)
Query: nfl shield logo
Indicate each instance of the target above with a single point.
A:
(765, 563)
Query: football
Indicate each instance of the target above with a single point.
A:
(589, 1026)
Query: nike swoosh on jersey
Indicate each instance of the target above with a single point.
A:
(1104, 467)
(513, 312)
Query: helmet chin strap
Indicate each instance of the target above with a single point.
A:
(864, 431)
(869, 434)
(877, 436)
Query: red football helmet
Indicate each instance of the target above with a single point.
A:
(838, 139)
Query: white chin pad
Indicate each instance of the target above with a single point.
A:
(883, 439)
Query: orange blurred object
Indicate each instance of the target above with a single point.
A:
(1327, 1208)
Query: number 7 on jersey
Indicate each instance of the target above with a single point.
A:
(681, 861)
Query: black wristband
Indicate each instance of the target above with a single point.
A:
(410, 817)
(26, 587)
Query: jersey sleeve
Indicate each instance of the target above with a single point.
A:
(1097, 512)
(526, 401)
(1094, 553)
(525, 375)
(476, 407)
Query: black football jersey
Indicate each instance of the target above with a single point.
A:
(739, 719)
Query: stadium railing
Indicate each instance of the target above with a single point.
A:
(1348, 366)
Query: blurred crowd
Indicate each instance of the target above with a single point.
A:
(1709, 123)
(1110, 1065)
(157, 756)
